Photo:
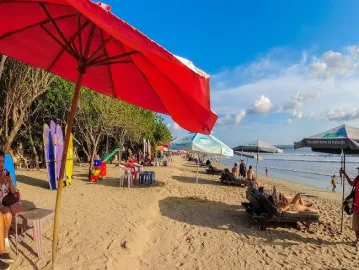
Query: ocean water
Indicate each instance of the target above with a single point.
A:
(303, 166)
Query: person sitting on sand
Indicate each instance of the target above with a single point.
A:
(235, 170)
(250, 174)
(147, 161)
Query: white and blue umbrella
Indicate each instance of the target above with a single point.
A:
(201, 144)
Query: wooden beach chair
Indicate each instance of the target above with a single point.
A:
(228, 178)
(213, 170)
(263, 211)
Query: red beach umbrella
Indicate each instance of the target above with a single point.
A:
(85, 43)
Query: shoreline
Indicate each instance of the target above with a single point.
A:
(295, 186)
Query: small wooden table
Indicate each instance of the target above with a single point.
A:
(33, 218)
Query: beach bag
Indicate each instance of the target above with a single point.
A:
(9, 200)
(349, 201)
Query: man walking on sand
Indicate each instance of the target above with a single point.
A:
(354, 183)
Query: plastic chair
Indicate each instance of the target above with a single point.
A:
(147, 176)
(133, 171)
(32, 219)
(126, 174)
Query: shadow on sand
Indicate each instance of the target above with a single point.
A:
(115, 182)
(35, 182)
(192, 180)
(221, 216)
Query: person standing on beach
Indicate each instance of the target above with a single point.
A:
(266, 172)
(242, 169)
(354, 183)
(334, 182)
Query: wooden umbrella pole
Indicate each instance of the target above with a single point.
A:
(70, 122)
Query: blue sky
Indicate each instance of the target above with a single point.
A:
(280, 70)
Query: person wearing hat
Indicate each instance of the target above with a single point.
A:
(355, 184)
(334, 182)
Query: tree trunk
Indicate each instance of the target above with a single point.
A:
(2, 64)
(107, 152)
(34, 150)
(14, 131)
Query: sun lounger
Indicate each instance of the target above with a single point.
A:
(263, 211)
(213, 170)
(228, 178)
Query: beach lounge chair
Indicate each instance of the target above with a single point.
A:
(213, 170)
(228, 178)
(263, 211)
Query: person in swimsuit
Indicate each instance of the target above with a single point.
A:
(288, 203)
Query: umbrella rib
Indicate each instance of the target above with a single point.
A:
(114, 62)
(108, 66)
(32, 2)
(56, 27)
(78, 33)
(100, 57)
(89, 42)
(104, 43)
(108, 59)
(59, 42)
(80, 37)
(34, 25)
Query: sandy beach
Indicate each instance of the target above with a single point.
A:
(105, 226)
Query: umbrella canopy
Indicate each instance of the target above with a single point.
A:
(85, 43)
(200, 143)
(343, 138)
(258, 146)
(114, 58)
(248, 155)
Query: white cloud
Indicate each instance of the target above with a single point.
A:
(332, 64)
(341, 114)
(295, 115)
(173, 127)
(300, 98)
(276, 82)
(262, 105)
(229, 120)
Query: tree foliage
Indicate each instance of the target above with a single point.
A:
(31, 97)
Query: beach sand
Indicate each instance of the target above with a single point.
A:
(164, 226)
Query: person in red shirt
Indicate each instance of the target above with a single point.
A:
(355, 183)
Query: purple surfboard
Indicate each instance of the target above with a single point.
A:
(53, 136)
(59, 151)
(50, 156)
